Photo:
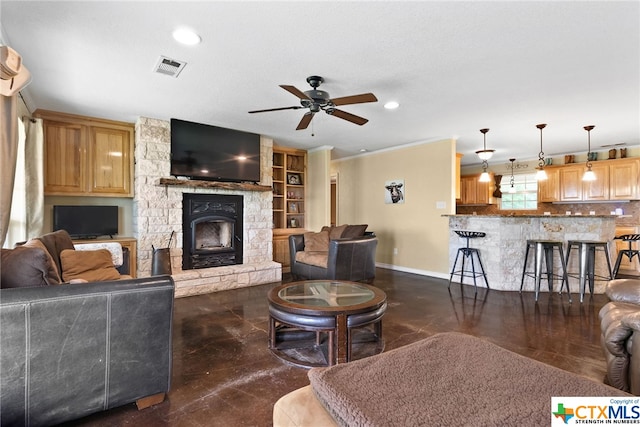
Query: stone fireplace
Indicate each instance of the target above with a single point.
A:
(212, 230)
(158, 210)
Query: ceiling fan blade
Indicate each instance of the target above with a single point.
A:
(348, 116)
(355, 99)
(295, 91)
(295, 107)
(304, 122)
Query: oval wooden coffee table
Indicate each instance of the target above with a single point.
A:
(303, 313)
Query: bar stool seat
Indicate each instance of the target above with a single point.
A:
(586, 264)
(468, 252)
(629, 253)
(544, 250)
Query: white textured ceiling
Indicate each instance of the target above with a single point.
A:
(453, 66)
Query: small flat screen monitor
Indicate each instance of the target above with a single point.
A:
(84, 222)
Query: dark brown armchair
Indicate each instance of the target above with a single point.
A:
(352, 259)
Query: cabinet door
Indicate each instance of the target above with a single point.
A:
(467, 190)
(110, 163)
(549, 189)
(598, 189)
(281, 252)
(623, 179)
(482, 192)
(64, 151)
(571, 183)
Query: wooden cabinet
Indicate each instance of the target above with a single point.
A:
(571, 183)
(615, 180)
(623, 179)
(474, 192)
(126, 242)
(549, 189)
(598, 189)
(85, 156)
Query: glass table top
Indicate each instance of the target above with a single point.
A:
(328, 293)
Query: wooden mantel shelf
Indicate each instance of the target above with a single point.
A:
(238, 186)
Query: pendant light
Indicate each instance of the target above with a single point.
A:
(589, 175)
(512, 188)
(541, 175)
(485, 155)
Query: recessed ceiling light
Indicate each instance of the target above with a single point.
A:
(363, 150)
(186, 36)
(391, 105)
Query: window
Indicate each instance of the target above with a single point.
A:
(526, 192)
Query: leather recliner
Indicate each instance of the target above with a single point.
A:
(348, 259)
(620, 326)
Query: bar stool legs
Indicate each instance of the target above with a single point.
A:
(544, 250)
(587, 263)
(629, 253)
(468, 252)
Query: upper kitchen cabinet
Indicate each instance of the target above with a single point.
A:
(615, 180)
(474, 192)
(85, 156)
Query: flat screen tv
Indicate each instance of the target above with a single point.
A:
(85, 222)
(213, 153)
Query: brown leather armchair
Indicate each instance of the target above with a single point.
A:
(620, 326)
(348, 259)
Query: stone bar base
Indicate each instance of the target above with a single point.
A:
(502, 250)
(206, 280)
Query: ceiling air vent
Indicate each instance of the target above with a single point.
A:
(169, 67)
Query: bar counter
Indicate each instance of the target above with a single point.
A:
(502, 249)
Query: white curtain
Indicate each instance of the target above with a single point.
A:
(27, 205)
(8, 155)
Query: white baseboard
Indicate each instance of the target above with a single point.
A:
(413, 270)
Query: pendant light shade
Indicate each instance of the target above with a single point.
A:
(541, 175)
(589, 175)
(484, 154)
(485, 177)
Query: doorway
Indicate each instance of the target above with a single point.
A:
(334, 199)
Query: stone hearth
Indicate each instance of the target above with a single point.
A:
(157, 211)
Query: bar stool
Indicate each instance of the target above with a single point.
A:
(468, 252)
(587, 262)
(545, 247)
(629, 253)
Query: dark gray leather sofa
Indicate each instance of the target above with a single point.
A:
(67, 351)
(620, 326)
(348, 259)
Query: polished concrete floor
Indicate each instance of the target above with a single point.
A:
(224, 374)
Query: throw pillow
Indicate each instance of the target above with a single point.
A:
(353, 231)
(316, 242)
(53, 275)
(24, 267)
(92, 266)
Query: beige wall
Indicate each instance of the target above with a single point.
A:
(318, 189)
(416, 227)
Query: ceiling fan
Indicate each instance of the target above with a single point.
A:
(316, 100)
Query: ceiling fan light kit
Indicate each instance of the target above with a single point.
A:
(316, 100)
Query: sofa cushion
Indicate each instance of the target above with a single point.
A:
(25, 267)
(92, 266)
(316, 242)
(55, 243)
(335, 232)
(317, 258)
(53, 272)
(353, 231)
